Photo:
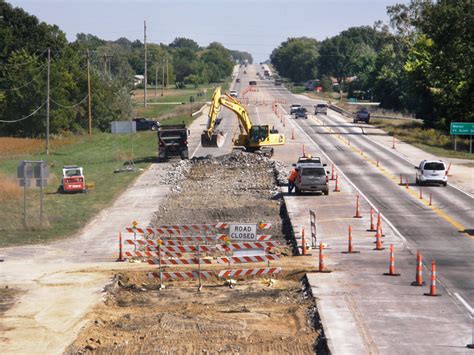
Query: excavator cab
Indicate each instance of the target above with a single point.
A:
(258, 134)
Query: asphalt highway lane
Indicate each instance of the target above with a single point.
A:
(438, 232)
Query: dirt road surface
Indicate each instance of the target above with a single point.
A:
(252, 318)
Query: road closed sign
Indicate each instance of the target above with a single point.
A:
(243, 232)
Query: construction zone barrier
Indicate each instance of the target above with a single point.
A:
(391, 268)
(433, 292)
(235, 273)
(336, 188)
(247, 259)
(419, 270)
(176, 230)
(192, 261)
(372, 227)
(358, 214)
(322, 267)
(249, 245)
(350, 248)
(312, 221)
(378, 240)
(181, 275)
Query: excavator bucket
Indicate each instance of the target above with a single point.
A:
(216, 140)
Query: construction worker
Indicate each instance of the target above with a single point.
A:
(291, 180)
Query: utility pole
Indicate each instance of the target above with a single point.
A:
(47, 101)
(89, 98)
(167, 76)
(162, 76)
(156, 80)
(144, 41)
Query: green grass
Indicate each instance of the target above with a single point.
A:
(430, 140)
(164, 110)
(99, 155)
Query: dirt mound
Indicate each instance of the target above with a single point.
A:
(238, 187)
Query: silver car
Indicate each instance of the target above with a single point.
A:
(311, 177)
(431, 171)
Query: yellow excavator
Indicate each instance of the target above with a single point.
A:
(252, 137)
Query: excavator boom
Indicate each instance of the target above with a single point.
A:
(252, 137)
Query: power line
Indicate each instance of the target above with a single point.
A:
(71, 106)
(26, 117)
(28, 83)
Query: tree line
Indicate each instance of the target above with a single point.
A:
(421, 62)
(24, 42)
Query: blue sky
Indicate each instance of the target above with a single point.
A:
(256, 26)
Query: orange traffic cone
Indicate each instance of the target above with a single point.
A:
(419, 270)
(350, 249)
(391, 269)
(433, 281)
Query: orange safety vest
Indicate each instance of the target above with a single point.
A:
(293, 176)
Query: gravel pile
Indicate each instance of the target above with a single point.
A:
(237, 187)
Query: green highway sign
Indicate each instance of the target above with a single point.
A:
(462, 128)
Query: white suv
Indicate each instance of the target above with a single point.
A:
(431, 171)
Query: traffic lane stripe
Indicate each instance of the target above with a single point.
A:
(412, 192)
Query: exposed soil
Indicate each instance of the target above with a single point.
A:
(253, 318)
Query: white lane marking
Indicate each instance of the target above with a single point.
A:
(347, 179)
(401, 156)
(195, 150)
(465, 304)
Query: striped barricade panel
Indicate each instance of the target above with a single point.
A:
(135, 230)
(189, 239)
(249, 272)
(191, 261)
(249, 245)
(260, 238)
(181, 275)
(247, 259)
(149, 253)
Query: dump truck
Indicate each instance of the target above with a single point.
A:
(252, 137)
(172, 142)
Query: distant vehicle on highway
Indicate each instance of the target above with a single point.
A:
(311, 177)
(294, 107)
(245, 71)
(252, 82)
(237, 80)
(321, 108)
(143, 124)
(362, 116)
(278, 82)
(301, 113)
(431, 171)
(172, 142)
(233, 93)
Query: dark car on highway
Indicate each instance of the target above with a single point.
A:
(301, 113)
(362, 116)
(142, 124)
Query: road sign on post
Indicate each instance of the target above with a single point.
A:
(462, 129)
(243, 232)
(32, 173)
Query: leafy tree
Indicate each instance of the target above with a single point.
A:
(296, 58)
(181, 42)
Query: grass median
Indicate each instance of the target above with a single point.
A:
(64, 214)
